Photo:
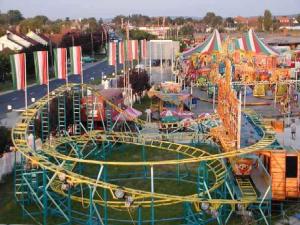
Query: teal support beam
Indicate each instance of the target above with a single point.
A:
(69, 206)
(90, 220)
(140, 218)
(45, 198)
(144, 160)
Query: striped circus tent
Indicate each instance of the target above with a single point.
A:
(251, 43)
(60, 63)
(18, 68)
(76, 60)
(112, 53)
(143, 49)
(239, 44)
(212, 43)
(41, 67)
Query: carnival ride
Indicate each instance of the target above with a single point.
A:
(107, 170)
(52, 182)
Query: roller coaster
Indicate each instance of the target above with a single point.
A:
(77, 179)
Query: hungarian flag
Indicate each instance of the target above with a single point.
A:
(76, 61)
(143, 49)
(112, 53)
(135, 49)
(18, 68)
(128, 50)
(121, 52)
(41, 67)
(60, 63)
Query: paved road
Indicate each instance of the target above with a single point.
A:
(16, 98)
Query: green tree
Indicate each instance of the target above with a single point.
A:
(229, 22)
(268, 20)
(140, 35)
(212, 20)
(118, 19)
(187, 29)
(14, 16)
(5, 139)
(298, 19)
(260, 23)
(5, 62)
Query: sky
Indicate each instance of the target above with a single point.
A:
(109, 8)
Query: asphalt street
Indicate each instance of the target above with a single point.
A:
(16, 98)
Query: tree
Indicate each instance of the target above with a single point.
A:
(268, 20)
(14, 16)
(260, 23)
(139, 80)
(5, 139)
(118, 19)
(140, 35)
(187, 29)
(212, 20)
(229, 22)
(298, 19)
(5, 64)
(41, 19)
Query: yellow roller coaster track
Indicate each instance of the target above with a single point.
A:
(19, 137)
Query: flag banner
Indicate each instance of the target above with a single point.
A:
(112, 53)
(41, 67)
(18, 68)
(128, 50)
(135, 49)
(60, 63)
(121, 53)
(76, 60)
(143, 49)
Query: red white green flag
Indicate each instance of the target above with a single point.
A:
(112, 53)
(60, 63)
(121, 52)
(76, 60)
(18, 68)
(143, 49)
(41, 67)
(128, 50)
(135, 49)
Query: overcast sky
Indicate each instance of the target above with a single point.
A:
(109, 8)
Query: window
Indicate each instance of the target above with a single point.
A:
(291, 164)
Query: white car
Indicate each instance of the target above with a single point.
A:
(140, 66)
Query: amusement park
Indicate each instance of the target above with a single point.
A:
(207, 134)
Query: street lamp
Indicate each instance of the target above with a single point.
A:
(9, 108)
(33, 100)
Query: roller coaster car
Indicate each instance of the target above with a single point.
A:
(93, 107)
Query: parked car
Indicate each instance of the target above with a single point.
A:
(88, 59)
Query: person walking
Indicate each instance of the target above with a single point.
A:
(293, 130)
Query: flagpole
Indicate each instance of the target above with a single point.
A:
(25, 82)
(67, 80)
(81, 65)
(48, 84)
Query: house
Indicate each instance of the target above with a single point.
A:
(247, 21)
(283, 20)
(15, 41)
(38, 37)
(160, 32)
(5, 43)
